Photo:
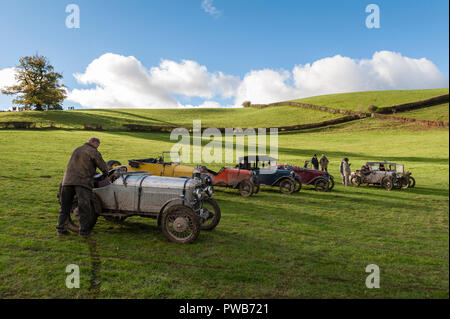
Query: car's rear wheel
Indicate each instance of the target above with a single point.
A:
(321, 185)
(214, 214)
(387, 183)
(287, 186)
(412, 182)
(246, 188)
(73, 223)
(180, 224)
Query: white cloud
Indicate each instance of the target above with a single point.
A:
(208, 7)
(124, 82)
(384, 71)
(7, 77)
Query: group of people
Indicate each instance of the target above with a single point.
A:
(344, 167)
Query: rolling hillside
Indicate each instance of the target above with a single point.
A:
(113, 119)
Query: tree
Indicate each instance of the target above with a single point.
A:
(38, 86)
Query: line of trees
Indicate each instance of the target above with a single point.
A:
(38, 86)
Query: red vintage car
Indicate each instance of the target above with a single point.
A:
(241, 179)
(322, 181)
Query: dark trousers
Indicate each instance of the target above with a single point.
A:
(324, 169)
(84, 207)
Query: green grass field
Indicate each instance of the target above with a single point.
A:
(307, 245)
(113, 119)
(438, 112)
(360, 101)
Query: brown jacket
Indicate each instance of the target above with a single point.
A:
(324, 161)
(82, 166)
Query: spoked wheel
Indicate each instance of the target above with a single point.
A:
(356, 181)
(74, 219)
(330, 184)
(211, 208)
(287, 186)
(321, 185)
(387, 183)
(246, 188)
(412, 182)
(180, 224)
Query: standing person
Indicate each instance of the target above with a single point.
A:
(324, 163)
(78, 180)
(344, 169)
(315, 162)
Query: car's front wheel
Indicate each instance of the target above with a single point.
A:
(246, 188)
(412, 182)
(321, 185)
(213, 210)
(287, 186)
(356, 180)
(180, 224)
(330, 184)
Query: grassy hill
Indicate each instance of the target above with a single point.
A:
(113, 119)
(359, 101)
(438, 112)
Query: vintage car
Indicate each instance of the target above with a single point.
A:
(182, 206)
(322, 181)
(241, 179)
(269, 174)
(386, 174)
(156, 166)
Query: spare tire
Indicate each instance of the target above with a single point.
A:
(112, 163)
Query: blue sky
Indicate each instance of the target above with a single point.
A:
(247, 35)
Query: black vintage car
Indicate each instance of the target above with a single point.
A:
(268, 174)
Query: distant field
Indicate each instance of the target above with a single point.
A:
(360, 101)
(113, 119)
(438, 112)
(307, 245)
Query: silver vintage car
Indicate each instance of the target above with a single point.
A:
(386, 174)
(182, 206)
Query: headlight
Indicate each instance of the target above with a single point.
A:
(209, 190)
(198, 194)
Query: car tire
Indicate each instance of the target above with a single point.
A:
(246, 188)
(387, 183)
(412, 182)
(112, 163)
(321, 185)
(180, 224)
(356, 181)
(287, 186)
(330, 184)
(214, 221)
